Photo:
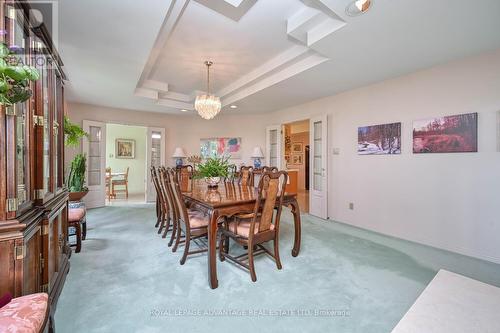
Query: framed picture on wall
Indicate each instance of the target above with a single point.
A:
(297, 147)
(125, 148)
(450, 134)
(382, 139)
(297, 159)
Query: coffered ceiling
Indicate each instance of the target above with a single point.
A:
(267, 54)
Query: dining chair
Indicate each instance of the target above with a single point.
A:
(194, 224)
(246, 176)
(252, 230)
(169, 201)
(109, 194)
(269, 169)
(231, 173)
(185, 175)
(159, 208)
(121, 182)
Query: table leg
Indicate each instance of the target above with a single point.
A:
(212, 248)
(297, 225)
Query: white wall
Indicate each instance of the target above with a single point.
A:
(137, 165)
(180, 131)
(451, 201)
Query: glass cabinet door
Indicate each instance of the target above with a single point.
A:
(16, 40)
(46, 127)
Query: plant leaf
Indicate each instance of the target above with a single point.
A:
(4, 50)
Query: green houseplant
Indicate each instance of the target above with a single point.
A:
(76, 178)
(14, 78)
(213, 170)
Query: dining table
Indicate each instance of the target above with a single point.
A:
(225, 201)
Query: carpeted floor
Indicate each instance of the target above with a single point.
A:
(345, 279)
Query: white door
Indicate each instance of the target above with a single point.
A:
(318, 199)
(94, 147)
(273, 146)
(155, 156)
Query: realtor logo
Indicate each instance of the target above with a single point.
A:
(43, 15)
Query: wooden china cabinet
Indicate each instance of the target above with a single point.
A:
(33, 198)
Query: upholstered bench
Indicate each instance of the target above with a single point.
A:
(27, 314)
(76, 218)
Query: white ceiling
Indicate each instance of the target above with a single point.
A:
(268, 54)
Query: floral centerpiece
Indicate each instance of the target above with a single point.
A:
(213, 170)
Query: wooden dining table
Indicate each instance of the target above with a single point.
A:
(225, 201)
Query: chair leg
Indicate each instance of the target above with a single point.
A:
(78, 237)
(158, 219)
(251, 264)
(174, 233)
(277, 253)
(186, 247)
(126, 190)
(167, 226)
(178, 239)
(84, 230)
(162, 222)
(222, 242)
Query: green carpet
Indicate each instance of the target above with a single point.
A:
(345, 279)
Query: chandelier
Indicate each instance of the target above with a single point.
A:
(208, 106)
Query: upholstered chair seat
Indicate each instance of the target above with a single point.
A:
(242, 228)
(76, 214)
(25, 314)
(198, 219)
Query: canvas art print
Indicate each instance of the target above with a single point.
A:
(221, 146)
(451, 134)
(125, 148)
(379, 139)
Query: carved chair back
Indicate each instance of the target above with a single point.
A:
(246, 176)
(180, 206)
(271, 191)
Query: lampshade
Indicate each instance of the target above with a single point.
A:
(179, 153)
(257, 153)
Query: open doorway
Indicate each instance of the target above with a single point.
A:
(125, 164)
(296, 159)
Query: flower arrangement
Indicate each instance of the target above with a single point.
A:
(213, 170)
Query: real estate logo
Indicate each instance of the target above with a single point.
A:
(43, 35)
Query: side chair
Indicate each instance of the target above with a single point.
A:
(193, 224)
(246, 176)
(253, 229)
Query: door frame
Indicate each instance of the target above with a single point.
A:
(318, 200)
(150, 196)
(278, 128)
(100, 200)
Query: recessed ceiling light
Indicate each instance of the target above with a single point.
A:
(184, 110)
(358, 7)
(234, 106)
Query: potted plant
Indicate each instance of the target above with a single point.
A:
(213, 170)
(76, 177)
(14, 78)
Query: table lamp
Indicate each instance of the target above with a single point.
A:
(179, 154)
(257, 155)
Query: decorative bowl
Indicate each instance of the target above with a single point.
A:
(212, 181)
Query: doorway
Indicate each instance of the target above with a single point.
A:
(125, 164)
(296, 159)
(118, 161)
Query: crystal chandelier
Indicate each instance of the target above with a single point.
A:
(208, 106)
